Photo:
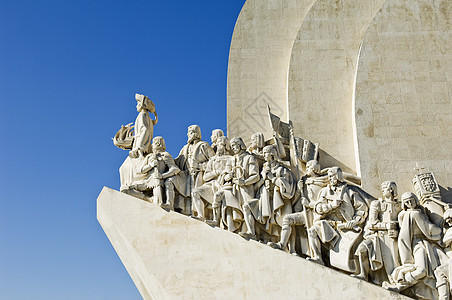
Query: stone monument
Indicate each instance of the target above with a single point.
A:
(331, 105)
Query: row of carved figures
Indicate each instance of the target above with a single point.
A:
(403, 245)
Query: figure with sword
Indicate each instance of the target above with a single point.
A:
(378, 253)
(309, 185)
(236, 187)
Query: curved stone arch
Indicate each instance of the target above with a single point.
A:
(403, 109)
(259, 63)
(322, 75)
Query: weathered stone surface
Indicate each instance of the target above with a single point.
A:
(400, 82)
(259, 63)
(322, 76)
(403, 108)
(171, 256)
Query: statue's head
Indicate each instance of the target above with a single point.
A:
(335, 176)
(216, 133)
(158, 144)
(270, 153)
(409, 201)
(448, 216)
(144, 103)
(312, 167)
(193, 133)
(223, 145)
(237, 145)
(257, 140)
(389, 189)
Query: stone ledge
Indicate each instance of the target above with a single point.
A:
(171, 256)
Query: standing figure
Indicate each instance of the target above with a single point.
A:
(213, 178)
(277, 187)
(144, 129)
(158, 166)
(378, 253)
(216, 133)
(192, 161)
(443, 273)
(310, 186)
(237, 186)
(256, 148)
(417, 254)
(338, 209)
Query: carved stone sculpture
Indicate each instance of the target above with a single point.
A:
(192, 161)
(144, 126)
(256, 147)
(238, 185)
(258, 193)
(378, 254)
(310, 185)
(276, 187)
(213, 180)
(417, 253)
(216, 133)
(427, 190)
(158, 166)
(443, 273)
(339, 211)
(141, 142)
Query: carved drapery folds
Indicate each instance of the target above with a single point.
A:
(275, 191)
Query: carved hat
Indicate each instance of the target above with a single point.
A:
(145, 102)
(392, 185)
(338, 172)
(259, 137)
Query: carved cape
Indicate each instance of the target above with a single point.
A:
(200, 156)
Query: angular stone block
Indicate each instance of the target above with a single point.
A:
(171, 256)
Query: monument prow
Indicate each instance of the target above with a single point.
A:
(172, 256)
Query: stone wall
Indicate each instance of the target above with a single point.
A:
(370, 80)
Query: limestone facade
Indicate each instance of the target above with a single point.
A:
(259, 63)
(369, 80)
(403, 105)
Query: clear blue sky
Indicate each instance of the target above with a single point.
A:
(69, 71)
